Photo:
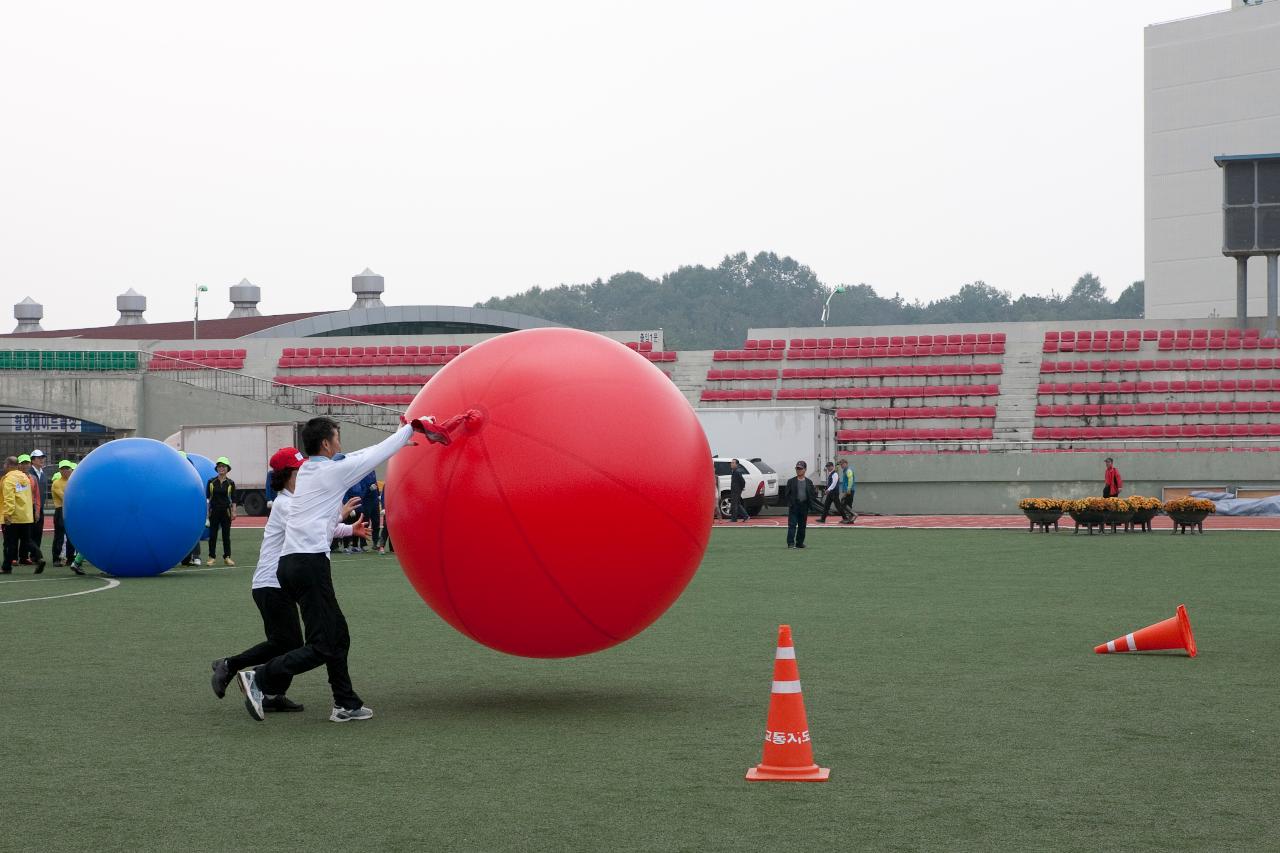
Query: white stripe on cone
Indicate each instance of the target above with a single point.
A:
(786, 687)
(1128, 638)
(1111, 645)
(785, 653)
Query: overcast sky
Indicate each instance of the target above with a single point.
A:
(466, 150)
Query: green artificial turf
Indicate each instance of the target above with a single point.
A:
(949, 679)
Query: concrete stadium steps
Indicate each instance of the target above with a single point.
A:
(1016, 406)
(689, 373)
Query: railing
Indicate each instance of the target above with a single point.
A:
(302, 400)
(1131, 445)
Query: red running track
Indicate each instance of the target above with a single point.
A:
(989, 522)
(910, 522)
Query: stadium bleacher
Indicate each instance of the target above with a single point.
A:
(220, 359)
(1151, 395)
(940, 382)
(55, 360)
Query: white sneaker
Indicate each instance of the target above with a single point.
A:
(346, 550)
(343, 715)
(252, 694)
(196, 561)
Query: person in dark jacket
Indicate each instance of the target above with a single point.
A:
(737, 484)
(221, 494)
(367, 491)
(798, 496)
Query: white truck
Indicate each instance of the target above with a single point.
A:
(248, 446)
(778, 435)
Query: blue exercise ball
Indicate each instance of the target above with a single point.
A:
(207, 470)
(134, 507)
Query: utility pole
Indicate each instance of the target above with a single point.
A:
(826, 306)
(195, 322)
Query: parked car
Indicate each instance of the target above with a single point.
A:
(762, 483)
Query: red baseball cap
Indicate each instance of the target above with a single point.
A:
(286, 458)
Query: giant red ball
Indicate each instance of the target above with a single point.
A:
(570, 513)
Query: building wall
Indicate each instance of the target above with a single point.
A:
(1212, 87)
(995, 482)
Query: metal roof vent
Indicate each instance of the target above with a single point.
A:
(131, 304)
(368, 287)
(28, 313)
(245, 297)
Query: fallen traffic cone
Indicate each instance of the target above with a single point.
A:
(788, 752)
(1172, 633)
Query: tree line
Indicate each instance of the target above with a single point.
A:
(701, 307)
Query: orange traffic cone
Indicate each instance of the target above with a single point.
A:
(1172, 633)
(788, 752)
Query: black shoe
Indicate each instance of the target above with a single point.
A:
(791, 546)
(801, 546)
(278, 704)
(185, 562)
(39, 567)
(75, 568)
(222, 676)
(6, 571)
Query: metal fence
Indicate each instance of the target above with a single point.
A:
(306, 401)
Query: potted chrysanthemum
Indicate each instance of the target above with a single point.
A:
(1189, 513)
(1041, 512)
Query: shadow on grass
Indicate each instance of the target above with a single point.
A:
(505, 703)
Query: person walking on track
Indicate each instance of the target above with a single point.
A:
(737, 484)
(831, 497)
(1111, 480)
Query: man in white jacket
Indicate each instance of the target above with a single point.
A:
(279, 613)
(304, 573)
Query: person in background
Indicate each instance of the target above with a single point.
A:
(269, 492)
(58, 487)
(370, 508)
(37, 471)
(340, 543)
(1111, 480)
(737, 484)
(848, 484)
(221, 493)
(28, 547)
(194, 556)
(350, 545)
(831, 497)
(16, 513)
(798, 496)
(384, 544)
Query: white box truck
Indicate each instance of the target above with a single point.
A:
(778, 435)
(248, 446)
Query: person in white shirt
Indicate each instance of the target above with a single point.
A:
(305, 574)
(279, 613)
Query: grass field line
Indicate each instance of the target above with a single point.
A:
(112, 583)
(36, 580)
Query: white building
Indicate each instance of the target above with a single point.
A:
(1212, 88)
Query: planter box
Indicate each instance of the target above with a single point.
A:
(1088, 520)
(1042, 519)
(1184, 520)
(1142, 519)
